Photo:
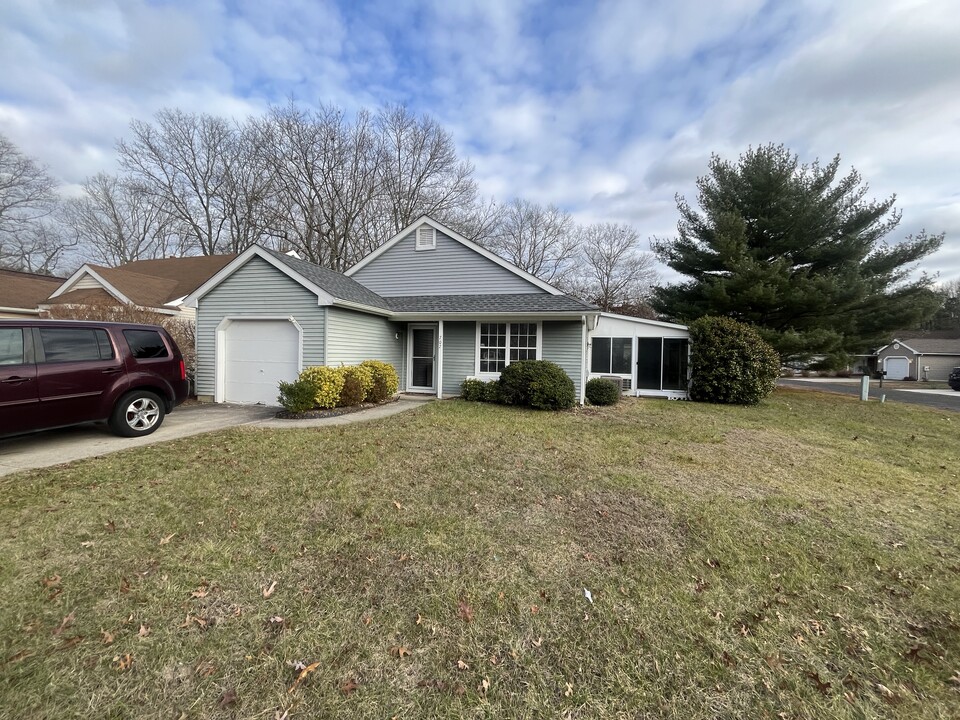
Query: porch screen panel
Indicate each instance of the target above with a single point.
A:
(675, 363)
(621, 352)
(649, 361)
(600, 356)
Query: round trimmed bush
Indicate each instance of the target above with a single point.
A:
(327, 384)
(730, 363)
(386, 382)
(600, 391)
(538, 384)
(297, 396)
(473, 390)
(357, 383)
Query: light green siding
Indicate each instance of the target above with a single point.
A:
(256, 289)
(353, 337)
(563, 345)
(459, 354)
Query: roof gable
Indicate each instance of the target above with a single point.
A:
(455, 265)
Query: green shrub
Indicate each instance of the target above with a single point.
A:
(297, 396)
(357, 384)
(386, 382)
(538, 384)
(602, 392)
(730, 362)
(480, 391)
(327, 384)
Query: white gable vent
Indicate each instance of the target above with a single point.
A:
(426, 238)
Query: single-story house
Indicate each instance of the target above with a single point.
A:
(433, 304)
(158, 285)
(21, 292)
(919, 358)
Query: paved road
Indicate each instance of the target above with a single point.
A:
(943, 399)
(53, 447)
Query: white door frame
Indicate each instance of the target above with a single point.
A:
(421, 326)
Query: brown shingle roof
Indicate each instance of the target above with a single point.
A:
(154, 283)
(25, 290)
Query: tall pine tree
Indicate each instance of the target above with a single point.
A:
(796, 252)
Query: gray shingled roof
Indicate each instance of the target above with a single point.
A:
(520, 303)
(337, 284)
(933, 345)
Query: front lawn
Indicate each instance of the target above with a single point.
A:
(798, 559)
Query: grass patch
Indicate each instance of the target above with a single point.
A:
(800, 557)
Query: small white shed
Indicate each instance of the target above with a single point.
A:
(649, 357)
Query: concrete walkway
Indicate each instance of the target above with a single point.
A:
(54, 447)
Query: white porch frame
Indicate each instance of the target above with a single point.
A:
(437, 328)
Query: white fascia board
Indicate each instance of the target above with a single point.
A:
(440, 227)
(643, 321)
(176, 303)
(898, 342)
(362, 308)
(87, 270)
(323, 297)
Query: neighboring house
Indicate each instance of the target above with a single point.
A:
(436, 306)
(157, 285)
(918, 358)
(21, 292)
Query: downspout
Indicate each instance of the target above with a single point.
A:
(583, 360)
(440, 359)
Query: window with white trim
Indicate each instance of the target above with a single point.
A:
(611, 356)
(503, 343)
(426, 238)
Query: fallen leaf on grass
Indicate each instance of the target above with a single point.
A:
(87, 544)
(144, 631)
(124, 585)
(106, 637)
(227, 698)
(268, 591)
(461, 665)
(538, 642)
(303, 673)
(349, 685)
(588, 595)
(167, 539)
(822, 686)
(464, 610)
(70, 642)
(484, 685)
(190, 620)
(399, 651)
(65, 623)
(51, 581)
(123, 663)
(534, 609)
(398, 505)
(109, 526)
(200, 592)
(569, 691)
(205, 669)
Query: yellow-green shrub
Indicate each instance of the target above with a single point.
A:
(327, 384)
(357, 384)
(386, 382)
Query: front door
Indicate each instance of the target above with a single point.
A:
(423, 358)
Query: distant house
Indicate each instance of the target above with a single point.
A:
(157, 285)
(21, 292)
(919, 358)
(435, 305)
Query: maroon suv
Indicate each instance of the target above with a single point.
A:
(55, 373)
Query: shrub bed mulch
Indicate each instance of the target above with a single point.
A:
(331, 412)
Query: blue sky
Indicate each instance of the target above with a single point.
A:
(607, 109)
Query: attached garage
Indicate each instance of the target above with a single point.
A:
(256, 355)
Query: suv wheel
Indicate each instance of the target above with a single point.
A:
(137, 413)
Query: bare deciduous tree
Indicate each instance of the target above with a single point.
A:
(200, 168)
(540, 240)
(28, 240)
(612, 271)
(117, 221)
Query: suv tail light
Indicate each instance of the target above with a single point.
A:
(183, 370)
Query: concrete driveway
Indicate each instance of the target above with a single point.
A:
(53, 447)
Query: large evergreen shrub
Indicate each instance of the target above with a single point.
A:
(730, 362)
(600, 391)
(538, 384)
(327, 384)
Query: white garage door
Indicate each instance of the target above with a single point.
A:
(258, 354)
(897, 368)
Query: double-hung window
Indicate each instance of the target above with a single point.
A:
(503, 343)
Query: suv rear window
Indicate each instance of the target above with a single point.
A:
(11, 346)
(146, 344)
(75, 344)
